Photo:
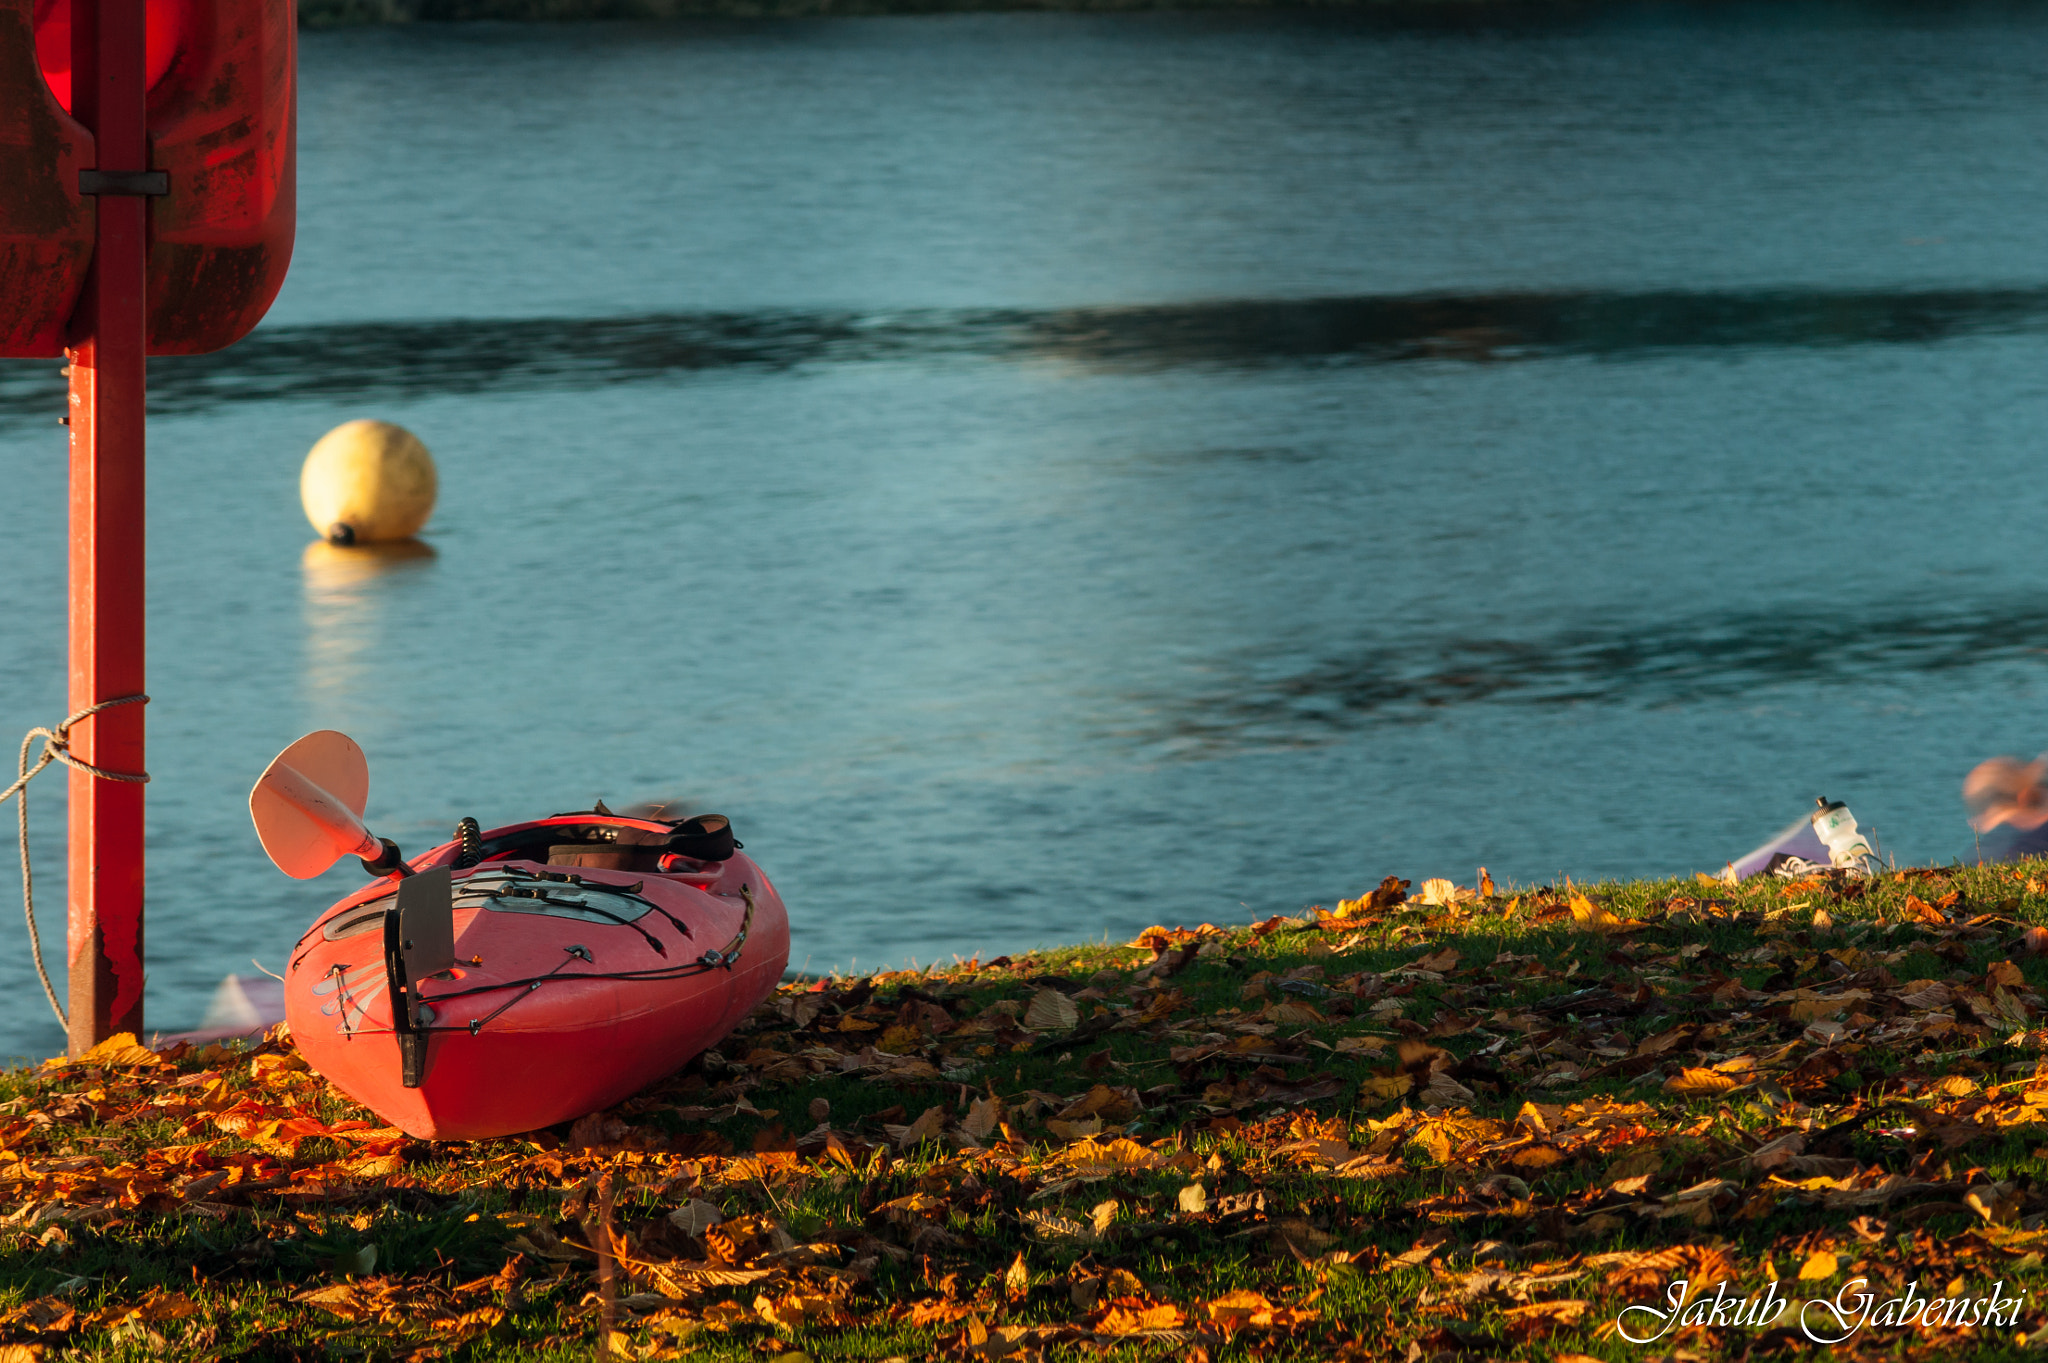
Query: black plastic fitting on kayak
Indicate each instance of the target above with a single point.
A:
(392, 862)
(469, 843)
(707, 837)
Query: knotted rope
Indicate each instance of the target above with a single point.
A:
(56, 748)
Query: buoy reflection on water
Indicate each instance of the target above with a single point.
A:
(345, 589)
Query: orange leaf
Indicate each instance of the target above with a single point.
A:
(1237, 1303)
(1384, 1086)
(937, 1311)
(796, 1310)
(370, 1166)
(1111, 1157)
(1236, 1310)
(1920, 911)
(1590, 917)
(1821, 1265)
(900, 1040)
(1695, 1083)
(1131, 1315)
(120, 1049)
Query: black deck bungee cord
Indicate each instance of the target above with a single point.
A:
(721, 959)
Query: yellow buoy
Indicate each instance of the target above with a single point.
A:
(367, 481)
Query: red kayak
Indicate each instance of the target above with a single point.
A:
(520, 976)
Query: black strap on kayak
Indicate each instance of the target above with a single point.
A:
(707, 837)
(702, 837)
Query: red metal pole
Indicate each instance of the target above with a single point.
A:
(108, 355)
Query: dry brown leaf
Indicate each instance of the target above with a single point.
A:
(1051, 1011)
(1537, 1157)
(370, 1166)
(1775, 1154)
(795, 1311)
(1074, 1131)
(689, 1276)
(1384, 1086)
(1998, 1203)
(1563, 1310)
(694, 1218)
(926, 1127)
(1698, 1083)
(1918, 910)
(984, 1115)
(981, 1342)
(1444, 1091)
(1055, 1228)
(900, 1039)
(913, 1206)
(1241, 1309)
(1130, 1316)
(1663, 1041)
(1106, 1157)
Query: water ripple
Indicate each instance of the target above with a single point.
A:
(458, 356)
(1260, 703)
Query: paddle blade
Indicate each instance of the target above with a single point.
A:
(308, 806)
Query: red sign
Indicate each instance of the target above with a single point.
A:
(220, 177)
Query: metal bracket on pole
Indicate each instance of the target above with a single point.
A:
(141, 183)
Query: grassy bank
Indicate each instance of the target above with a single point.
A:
(1401, 1130)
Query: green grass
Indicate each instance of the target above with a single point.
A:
(1473, 1158)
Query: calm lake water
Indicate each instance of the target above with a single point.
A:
(1043, 474)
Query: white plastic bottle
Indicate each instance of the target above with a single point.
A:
(1836, 827)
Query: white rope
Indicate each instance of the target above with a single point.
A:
(56, 748)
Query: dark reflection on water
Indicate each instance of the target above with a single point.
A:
(399, 359)
(1729, 655)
